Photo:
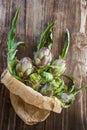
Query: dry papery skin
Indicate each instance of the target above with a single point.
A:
(30, 96)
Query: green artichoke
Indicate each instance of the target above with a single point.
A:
(53, 88)
(58, 67)
(35, 81)
(43, 57)
(24, 67)
(46, 77)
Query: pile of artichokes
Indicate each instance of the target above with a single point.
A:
(42, 73)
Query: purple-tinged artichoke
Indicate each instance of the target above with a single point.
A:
(58, 67)
(67, 98)
(46, 90)
(24, 67)
(43, 57)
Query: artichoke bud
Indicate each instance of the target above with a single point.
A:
(47, 77)
(58, 86)
(58, 67)
(24, 67)
(35, 81)
(46, 90)
(43, 57)
(56, 83)
(67, 98)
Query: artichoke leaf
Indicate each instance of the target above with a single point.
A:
(46, 38)
(12, 44)
(66, 45)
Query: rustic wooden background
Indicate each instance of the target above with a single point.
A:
(34, 17)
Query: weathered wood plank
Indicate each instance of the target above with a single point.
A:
(34, 17)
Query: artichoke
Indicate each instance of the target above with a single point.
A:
(46, 90)
(58, 67)
(43, 57)
(67, 98)
(35, 81)
(46, 77)
(24, 67)
(53, 88)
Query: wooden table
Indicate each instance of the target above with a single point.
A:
(33, 19)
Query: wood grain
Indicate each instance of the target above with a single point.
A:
(34, 16)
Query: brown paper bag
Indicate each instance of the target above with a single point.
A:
(28, 113)
(31, 106)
